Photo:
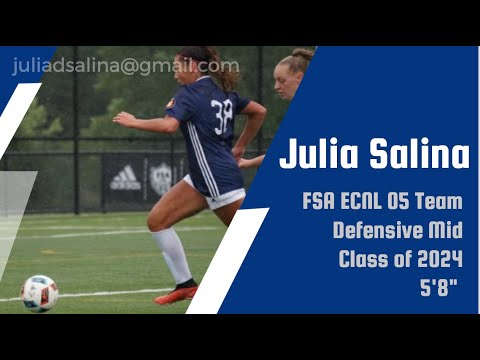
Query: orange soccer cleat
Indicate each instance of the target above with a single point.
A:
(176, 295)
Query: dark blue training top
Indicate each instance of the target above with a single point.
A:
(206, 114)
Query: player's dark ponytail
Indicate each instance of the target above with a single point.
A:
(227, 74)
(298, 61)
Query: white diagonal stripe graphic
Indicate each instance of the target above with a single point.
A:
(14, 112)
(227, 261)
(15, 188)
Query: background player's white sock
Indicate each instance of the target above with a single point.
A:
(171, 246)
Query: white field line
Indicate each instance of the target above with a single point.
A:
(102, 293)
(79, 227)
(54, 219)
(116, 232)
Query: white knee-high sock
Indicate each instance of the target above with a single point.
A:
(173, 253)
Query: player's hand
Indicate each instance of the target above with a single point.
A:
(238, 152)
(244, 163)
(125, 119)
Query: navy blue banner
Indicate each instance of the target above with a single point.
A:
(372, 187)
(22, 64)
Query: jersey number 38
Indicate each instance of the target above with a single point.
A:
(224, 114)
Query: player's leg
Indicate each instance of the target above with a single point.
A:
(227, 212)
(180, 202)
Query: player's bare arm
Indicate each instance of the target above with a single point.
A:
(166, 125)
(251, 163)
(256, 114)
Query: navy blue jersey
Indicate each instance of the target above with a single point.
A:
(206, 114)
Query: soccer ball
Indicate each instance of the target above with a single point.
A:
(39, 293)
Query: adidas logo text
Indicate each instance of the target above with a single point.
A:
(125, 180)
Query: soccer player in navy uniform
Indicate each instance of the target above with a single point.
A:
(205, 112)
(288, 75)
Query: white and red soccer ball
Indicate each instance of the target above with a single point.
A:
(39, 293)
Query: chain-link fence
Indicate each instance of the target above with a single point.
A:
(85, 162)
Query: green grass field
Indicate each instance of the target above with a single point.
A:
(106, 253)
